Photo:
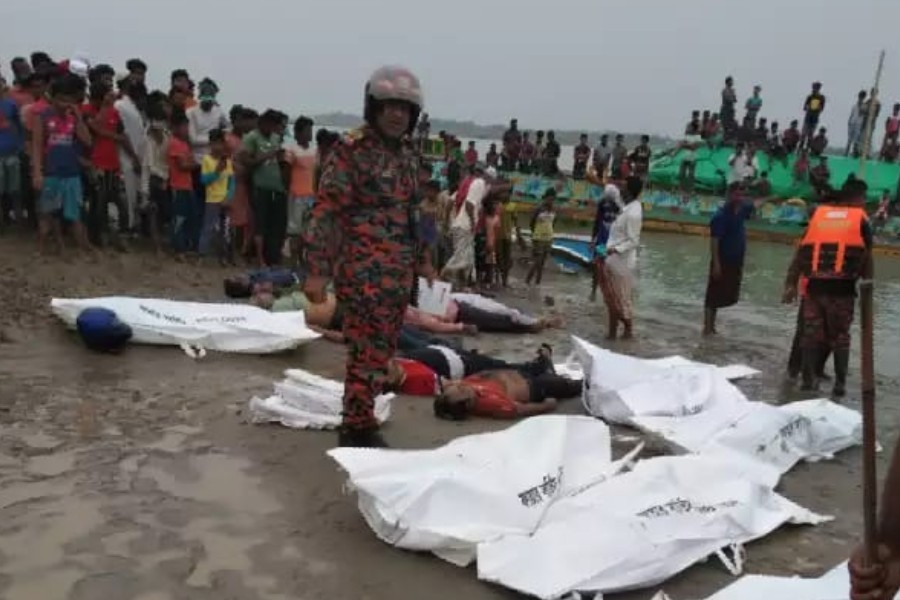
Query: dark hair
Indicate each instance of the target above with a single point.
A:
(206, 82)
(434, 185)
(549, 193)
(133, 89)
(451, 411)
(99, 90)
(302, 122)
(249, 113)
(35, 77)
(235, 113)
(178, 73)
(854, 188)
(100, 71)
(634, 186)
(67, 84)
(40, 58)
(155, 102)
(135, 64)
(645, 138)
(237, 287)
(178, 118)
(270, 116)
(216, 135)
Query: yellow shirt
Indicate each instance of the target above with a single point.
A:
(217, 191)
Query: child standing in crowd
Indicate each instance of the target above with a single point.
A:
(217, 177)
(108, 132)
(508, 225)
(492, 233)
(429, 216)
(181, 166)
(541, 237)
(302, 160)
(57, 132)
(155, 175)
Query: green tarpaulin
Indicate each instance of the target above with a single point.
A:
(712, 173)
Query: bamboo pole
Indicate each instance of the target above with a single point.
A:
(870, 121)
(867, 366)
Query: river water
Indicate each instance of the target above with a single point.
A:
(673, 273)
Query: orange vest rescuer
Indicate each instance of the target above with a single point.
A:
(833, 246)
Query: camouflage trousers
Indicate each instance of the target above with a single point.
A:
(374, 297)
(827, 320)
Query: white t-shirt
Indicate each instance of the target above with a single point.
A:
(200, 124)
(742, 167)
(477, 192)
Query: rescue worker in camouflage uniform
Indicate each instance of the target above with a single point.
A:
(834, 253)
(361, 232)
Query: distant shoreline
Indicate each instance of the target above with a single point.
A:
(473, 131)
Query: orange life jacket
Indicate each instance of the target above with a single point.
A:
(833, 246)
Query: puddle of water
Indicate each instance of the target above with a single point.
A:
(51, 465)
(20, 491)
(41, 441)
(50, 585)
(214, 478)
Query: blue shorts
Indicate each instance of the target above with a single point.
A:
(62, 195)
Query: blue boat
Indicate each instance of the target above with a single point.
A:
(571, 253)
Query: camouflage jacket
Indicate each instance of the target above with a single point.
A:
(364, 205)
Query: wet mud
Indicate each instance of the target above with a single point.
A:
(137, 476)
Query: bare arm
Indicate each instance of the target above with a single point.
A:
(329, 334)
(531, 409)
(37, 147)
(81, 130)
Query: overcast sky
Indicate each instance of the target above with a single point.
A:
(634, 65)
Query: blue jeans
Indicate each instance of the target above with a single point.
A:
(186, 221)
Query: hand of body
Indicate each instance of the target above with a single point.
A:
(314, 288)
(877, 582)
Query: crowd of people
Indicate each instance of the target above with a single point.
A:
(804, 140)
(93, 152)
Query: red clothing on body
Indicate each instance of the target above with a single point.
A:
(105, 150)
(471, 157)
(179, 179)
(420, 379)
(490, 399)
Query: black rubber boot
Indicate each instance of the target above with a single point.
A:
(841, 362)
(810, 359)
(361, 438)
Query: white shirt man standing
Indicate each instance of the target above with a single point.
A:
(466, 210)
(133, 124)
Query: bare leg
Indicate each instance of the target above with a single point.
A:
(612, 329)
(627, 334)
(709, 321)
(43, 231)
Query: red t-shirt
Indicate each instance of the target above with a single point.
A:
(471, 156)
(105, 151)
(420, 379)
(490, 399)
(179, 179)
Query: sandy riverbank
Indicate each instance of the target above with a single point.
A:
(137, 477)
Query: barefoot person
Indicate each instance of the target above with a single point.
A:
(422, 371)
(364, 197)
(728, 244)
(503, 394)
(57, 132)
(620, 268)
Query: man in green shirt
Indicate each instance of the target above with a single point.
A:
(261, 154)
